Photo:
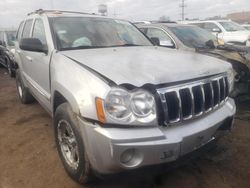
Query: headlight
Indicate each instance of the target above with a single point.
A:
(230, 76)
(117, 105)
(221, 42)
(143, 106)
(129, 107)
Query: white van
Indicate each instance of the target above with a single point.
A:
(226, 30)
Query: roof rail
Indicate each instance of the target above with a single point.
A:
(41, 11)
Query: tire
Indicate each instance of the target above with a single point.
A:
(23, 92)
(72, 152)
(10, 68)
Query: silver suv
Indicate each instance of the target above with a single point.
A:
(118, 102)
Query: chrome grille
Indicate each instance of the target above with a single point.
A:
(190, 100)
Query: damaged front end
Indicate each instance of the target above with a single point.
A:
(239, 57)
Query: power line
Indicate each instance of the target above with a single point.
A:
(183, 5)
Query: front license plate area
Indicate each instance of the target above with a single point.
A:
(192, 143)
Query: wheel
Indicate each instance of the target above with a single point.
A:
(70, 145)
(23, 92)
(10, 68)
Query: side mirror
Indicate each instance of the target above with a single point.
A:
(155, 41)
(216, 30)
(32, 44)
(167, 43)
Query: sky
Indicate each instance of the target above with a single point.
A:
(13, 11)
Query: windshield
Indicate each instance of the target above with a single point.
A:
(11, 37)
(232, 26)
(192, 36)
(85, 32)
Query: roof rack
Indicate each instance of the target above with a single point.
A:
(41, 11)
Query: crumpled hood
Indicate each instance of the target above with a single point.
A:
(224, 54)
(144, 65)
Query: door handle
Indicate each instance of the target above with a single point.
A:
(29, 58)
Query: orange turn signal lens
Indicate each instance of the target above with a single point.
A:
(100, 110)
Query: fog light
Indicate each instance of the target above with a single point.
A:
(127, 156)
(131, 158)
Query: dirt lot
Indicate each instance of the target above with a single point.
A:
(28, 157)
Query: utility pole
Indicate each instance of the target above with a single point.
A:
(183, 5)
(52, 4)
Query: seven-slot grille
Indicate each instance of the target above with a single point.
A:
(187, 101)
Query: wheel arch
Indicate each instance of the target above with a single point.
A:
(60, 96)
(58, 99)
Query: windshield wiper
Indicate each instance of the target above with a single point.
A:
(92, 47)
(81, 47)
(125, 45)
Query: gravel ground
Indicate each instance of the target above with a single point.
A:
(28, 157)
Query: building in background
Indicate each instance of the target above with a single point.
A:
(240, 17)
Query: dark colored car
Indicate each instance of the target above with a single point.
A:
(193, 38)
(7, 43)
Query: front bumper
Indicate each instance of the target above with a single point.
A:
(112, 150)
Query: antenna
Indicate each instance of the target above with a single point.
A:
(183, 5)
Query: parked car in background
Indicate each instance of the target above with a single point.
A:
(226, 30)
(118, 102)
(193, 38)
(7, 44)
(246, 26)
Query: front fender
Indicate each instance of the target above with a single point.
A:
(77, 85)
(58, 87)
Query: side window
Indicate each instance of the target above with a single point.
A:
(27, 29)
(39, 31)
(211, 27)
(165, 40)
(19, 32)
